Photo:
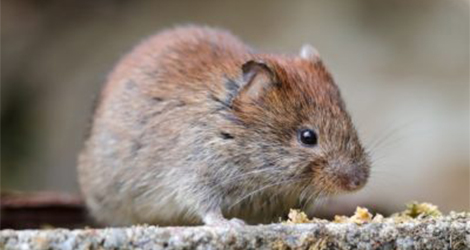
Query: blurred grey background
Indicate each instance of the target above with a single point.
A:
(402, 66)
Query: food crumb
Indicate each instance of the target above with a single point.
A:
(296, 216)
(361, 216)
(378, 218)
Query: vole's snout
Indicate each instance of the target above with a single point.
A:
(355, 179)
(340, 177)
(352, 177)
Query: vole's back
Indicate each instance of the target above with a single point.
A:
(132, 163)
(191, 59)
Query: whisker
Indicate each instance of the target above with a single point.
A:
(312, 196)
(383, 141)
(244, 176)
(261, 189)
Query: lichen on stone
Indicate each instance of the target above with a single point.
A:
(413, 211)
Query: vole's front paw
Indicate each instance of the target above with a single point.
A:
(217, 220)
(234, 222)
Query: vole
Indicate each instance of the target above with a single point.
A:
(193, 126)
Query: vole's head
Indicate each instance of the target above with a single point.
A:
(295, 123)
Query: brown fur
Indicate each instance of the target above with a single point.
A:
(179, 134)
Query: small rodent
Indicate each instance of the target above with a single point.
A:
(193, 127)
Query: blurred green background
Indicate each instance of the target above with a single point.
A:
(402, 66)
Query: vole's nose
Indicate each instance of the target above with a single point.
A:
(354, 183)
(353, 177)
(358, 177)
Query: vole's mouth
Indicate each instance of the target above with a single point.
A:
(335, 179)
(352, 182)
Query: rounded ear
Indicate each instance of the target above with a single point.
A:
(257, 78)
(309, 53)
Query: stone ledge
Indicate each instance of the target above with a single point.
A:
(447, 232)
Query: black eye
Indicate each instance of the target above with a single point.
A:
(308, 137)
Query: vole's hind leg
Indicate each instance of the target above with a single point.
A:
(216, 219)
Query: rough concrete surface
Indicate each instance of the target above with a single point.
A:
(447, 232)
